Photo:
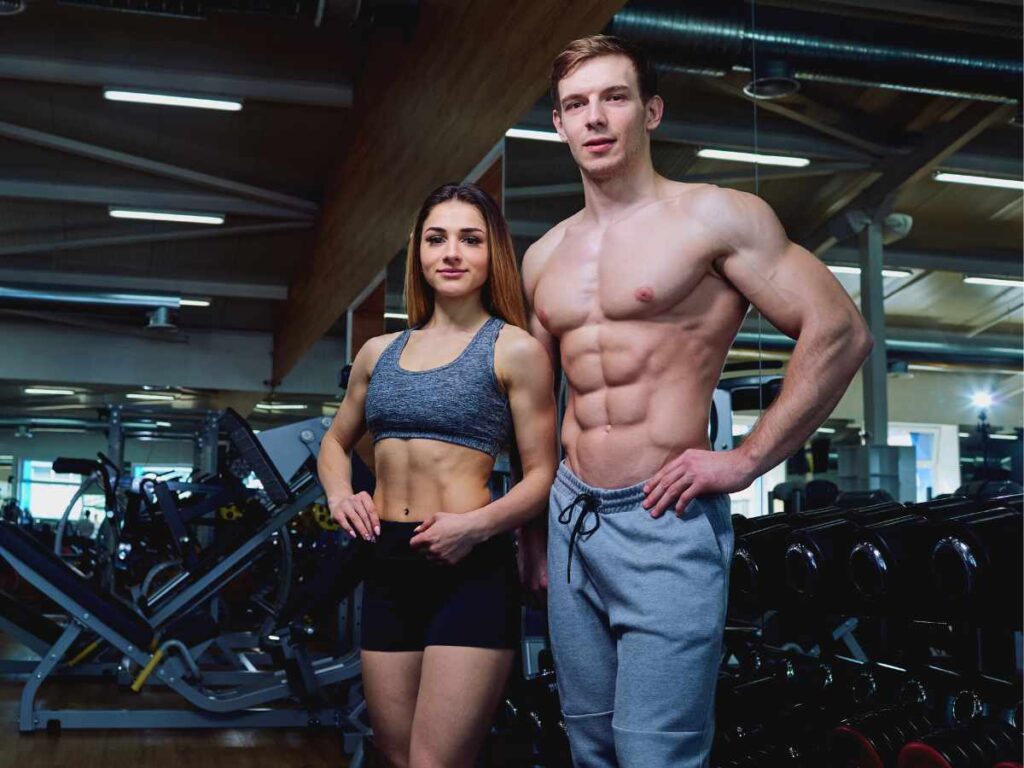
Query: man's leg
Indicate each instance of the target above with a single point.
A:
(583, 648)
(666, 596)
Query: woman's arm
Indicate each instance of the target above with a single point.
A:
(523, 366)
(353, 512)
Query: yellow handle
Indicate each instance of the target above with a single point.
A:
(84, 653)
(147, 671)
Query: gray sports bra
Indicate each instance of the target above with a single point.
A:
(459, 403)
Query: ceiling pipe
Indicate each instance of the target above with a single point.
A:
(726, 35)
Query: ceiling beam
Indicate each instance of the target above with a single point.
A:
(121, 282)
(154, 167)
(205, 360)
(426, 111)
(178, 81)
(938, 144)
(201, 233)
(95, 194)
(745, 173)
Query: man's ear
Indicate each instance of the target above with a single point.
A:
(655, 109)
(556, 120)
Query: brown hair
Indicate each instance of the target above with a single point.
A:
(503, 291)
(585, 48)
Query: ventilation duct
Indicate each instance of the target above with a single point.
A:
(812, 46)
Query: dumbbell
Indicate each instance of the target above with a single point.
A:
(874, 739)
(979, 745)
(816, 555)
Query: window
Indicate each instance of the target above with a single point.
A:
(46, 494)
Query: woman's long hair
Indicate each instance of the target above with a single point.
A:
(502, 294)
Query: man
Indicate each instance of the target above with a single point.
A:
(639, 296)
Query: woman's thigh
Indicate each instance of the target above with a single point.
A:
(460, 688)
(391, 682)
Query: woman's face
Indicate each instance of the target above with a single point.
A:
(454, 252)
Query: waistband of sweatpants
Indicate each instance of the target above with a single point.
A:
(609, 499)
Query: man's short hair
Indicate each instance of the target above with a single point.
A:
(586, 48)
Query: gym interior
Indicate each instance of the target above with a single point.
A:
(205, 207)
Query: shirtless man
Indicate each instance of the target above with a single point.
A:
(639, 296)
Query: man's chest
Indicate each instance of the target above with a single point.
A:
(625, 275)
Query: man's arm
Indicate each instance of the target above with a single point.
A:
(800, 297)
(533, 537)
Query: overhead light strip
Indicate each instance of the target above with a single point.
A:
(47, 391)
(754, 157)
(979, 181)
(1000, 281)
(530, 133)
(185, 217)
(280, 406)
(841, 269)
(395, 316)
(171, 100)
(148, 396)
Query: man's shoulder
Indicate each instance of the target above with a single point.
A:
(540, 251)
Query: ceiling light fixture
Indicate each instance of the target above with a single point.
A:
(171, 100)
(47, 391)
(845, 269)
(280, 406)
(530, 133)
(754, 157)
(1000, 281)
(148, 396)
(186, 217)
(195, 302)
(395, 316)
(979, 181)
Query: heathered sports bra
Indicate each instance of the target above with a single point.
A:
(460, 402)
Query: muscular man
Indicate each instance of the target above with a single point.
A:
(639, 296)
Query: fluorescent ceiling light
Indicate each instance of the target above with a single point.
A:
(280, 406)
(527, 133)
(964, 434)
(739, 430)
(1001, 281)
(163, 423)
(980, 181)
(195, 302)
(751, 157)
(395, 316)
(47, 391)
(841, 269)
(186, 217)
(1003, 437)
(169, 100)
(827, 430)
(148, 396)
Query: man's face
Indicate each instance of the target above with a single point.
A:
(603, 119)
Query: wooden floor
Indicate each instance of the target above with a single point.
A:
(234, 748)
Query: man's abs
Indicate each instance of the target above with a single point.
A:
(639, 395)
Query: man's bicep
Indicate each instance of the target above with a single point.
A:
(786, 283)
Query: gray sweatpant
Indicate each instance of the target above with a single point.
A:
(637, 631)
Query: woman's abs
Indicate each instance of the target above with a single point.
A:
(419, 478)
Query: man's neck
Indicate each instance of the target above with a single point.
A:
(608, 197)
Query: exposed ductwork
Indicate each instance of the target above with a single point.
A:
(730, 35)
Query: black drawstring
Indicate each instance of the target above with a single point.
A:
(590, 506)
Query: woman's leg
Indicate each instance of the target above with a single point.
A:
(460, 688)
(391, 680)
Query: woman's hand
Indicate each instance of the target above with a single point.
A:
(447, 537)
(357, 515)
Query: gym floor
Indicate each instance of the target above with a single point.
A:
(237, 748)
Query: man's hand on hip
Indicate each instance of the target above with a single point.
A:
(696, 473)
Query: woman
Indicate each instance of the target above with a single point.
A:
(440, 601)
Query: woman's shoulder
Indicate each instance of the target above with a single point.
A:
(515, 347)
(374, 348)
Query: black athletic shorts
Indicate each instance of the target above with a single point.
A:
(410, 602)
